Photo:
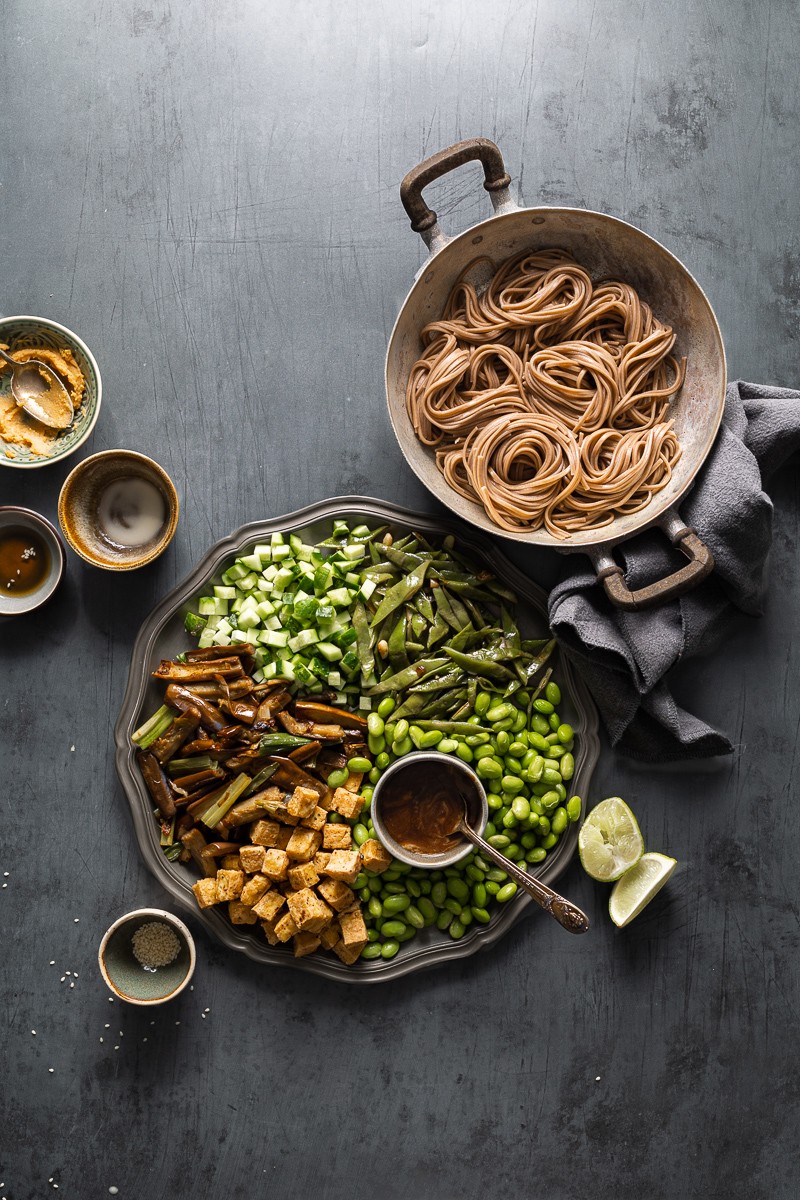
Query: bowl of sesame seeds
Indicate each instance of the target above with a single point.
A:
(147, 956)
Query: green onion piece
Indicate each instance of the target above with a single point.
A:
(217, 810)
(281, 741)
(263, 775)
(168, 832)
(188, 766)
(173, 852)
(160, 721)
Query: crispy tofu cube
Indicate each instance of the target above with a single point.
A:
(269, 932)
(305, 943)
(274, 803)
(270, 904)
(205, 892)
(337, 894)
(354, 931)
(241, 914)
(337, 837)
(275, 865)
(343, 865)
(321, 860)
(251, 858)
(303, 844)
(285, 928)
(376, 858)
(329, 936)
(284, 834)
(346, 804)
(303, 876)
(265, 833)
(229, 884)
(316, 819)
(348, 954)
(302, 802)
(230, 862)
(309, 911)
(254, 889)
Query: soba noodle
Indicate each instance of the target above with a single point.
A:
(546, 397)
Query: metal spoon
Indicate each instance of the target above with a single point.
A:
(38, 390)
(572, 918)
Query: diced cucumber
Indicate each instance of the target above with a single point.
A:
(225, 593)
(341, 597)
(329, 651)
(334, 679)
(306, 637)
(265, 609)
(248, 582)
(206, 638)
(224, 627)
(207, 606)
(280, 553)
(239, 635)
(264, 553)
(277, 638)
(353, 551)
(284, 576)
(276, 539)
(249, 619)
(251, 561)
(365, 703)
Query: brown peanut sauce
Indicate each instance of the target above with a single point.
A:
(421, 806)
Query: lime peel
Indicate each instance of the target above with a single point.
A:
(610, 841)
(638, 886)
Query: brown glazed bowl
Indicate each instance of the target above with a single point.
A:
(80, 498)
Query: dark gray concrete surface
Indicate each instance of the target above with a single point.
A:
(208, 194)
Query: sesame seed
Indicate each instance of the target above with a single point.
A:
(6, 874)
(68, 972)
(71, 983)
(51, 1069)
(106, 1026)
(76, 920)
(144, 1039)
(63, 977)
(5, 885)
(52, 962)
(203, 1015)
(113, 1191)
(116, 1047)
(101, 1039)
(33, 1031)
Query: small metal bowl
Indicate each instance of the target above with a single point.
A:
(79, 501)
(12, 517)
(127, 977)
(49, 335)
(477, 811)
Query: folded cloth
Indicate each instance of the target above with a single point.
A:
(624, 657)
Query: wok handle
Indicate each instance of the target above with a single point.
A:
(496, 177)
(701, 564)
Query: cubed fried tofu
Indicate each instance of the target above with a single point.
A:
(376, 858)
(254, 889)
(265, 833)
(251, 858)
(346, 804)
(343, 865)
(329, 936)
(302, 876)
(230, 862)
(269, 933)
(205, 892)
(274, 802)
(348, 954)
(304, 943)
(337, 837)
(310, 912)
(321, 860)
(284, 835)
(337, 894)
(229, 884)
(275, 865)
(316, 820)
(285, 928)
(303, 844)
(241, 914)
(302, 802)
(354, 931)
(270, 904)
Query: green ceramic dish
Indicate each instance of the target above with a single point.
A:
(127, 977)
(41, 332)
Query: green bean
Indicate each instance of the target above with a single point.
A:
(372, 950)
(574, 808)
(559, 821)
(506, 892)
(389, 949)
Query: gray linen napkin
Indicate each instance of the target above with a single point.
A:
(624, 657)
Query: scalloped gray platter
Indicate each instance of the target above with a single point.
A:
(162, 636)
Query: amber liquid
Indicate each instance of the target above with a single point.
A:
(421, 806)
(24, 562)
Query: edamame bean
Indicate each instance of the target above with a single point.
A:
(452, 905)
(386, 707)
(473, 873)
(338, 777)
(401, 730)
(551, 777)
(494, 801)
(426, 908)
(537, 855)
(478, 739)
(456, 930)
(506, 892)
(509, 820)
(376, 744)
(521, 808)
(480, 914)
(548, 842)
(553, 693)
(511, 784)
(360, 834)
(483, 752)
(487, 768)
(559, 821)
(458, 889)
(512, 765)
(555, 721)
(499, 841)
(375, 725)
(413, 888)
(358, 765)
(444, 920)
(562, 791)
(465, 918)
(415, 917)
(496, 875)
(374, 883)
(394, 904)
(544, 826)
(401, 748)
(408, 934)
(482, 702)
(464, 753)
(574, 808)
(389, 949)
(375, 907)
(537, 742)
(382, 761)
(543, 706)
(439, 893)
(556, 752)
(492, 888)
(567, 766)
(528, 841)
(565, 733)
(535, 769)
(372, 950)
(393, 929)
(517, 749)
(503, 742)
(394, 889)
(448, 745)
(430, 739)
(500, 712)
(514, 852)
(479, 895)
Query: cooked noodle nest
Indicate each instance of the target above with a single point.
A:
(547, 398)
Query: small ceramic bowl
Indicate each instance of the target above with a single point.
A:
(24, 521)
(49, 335)
(79, 505)
(477, 810)
(137, 982)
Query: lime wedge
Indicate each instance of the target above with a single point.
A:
(610, 841)
(637, 886)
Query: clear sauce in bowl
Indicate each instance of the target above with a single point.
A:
(24, 561)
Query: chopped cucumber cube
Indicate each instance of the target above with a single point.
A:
(329, 651)
(341, 597)
(225, 593)
(251, 561)
(334, 679)
(306, 637)
(353, 551)
(275, 638)
(365, 703)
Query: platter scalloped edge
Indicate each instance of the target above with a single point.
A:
(420, 954)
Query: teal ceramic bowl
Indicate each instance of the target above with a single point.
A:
(134, 981)
(40, 332)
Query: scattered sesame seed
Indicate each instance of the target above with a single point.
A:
(55, 1185)
(203, 1015)
(110, 999)
(106, 1026)
(6, 874)
(75, 974)
(68, 972)
(152, 1022)
(101, 1039)
(51, 1069)
(116, 1047)
(206, 1010)
(597, 1078)
(5, 885)
(177, 1022)
(76, 920)
(52, 962)
(113, 1191)
(33, 1031)
(72, 749)
(50, 1180)
(63, 977)
(121, 1034)
(144, 1039)
(71, 983)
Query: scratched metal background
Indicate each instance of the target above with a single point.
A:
(208, 194)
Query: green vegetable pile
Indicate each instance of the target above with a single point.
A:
(421, 640)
